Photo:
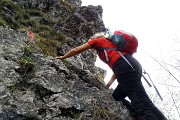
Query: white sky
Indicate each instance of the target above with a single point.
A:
(155, 23)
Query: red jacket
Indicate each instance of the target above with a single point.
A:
(105, 43)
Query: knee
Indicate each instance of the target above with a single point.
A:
(116, 97)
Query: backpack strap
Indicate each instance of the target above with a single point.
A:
(126, 60)
(143, 76)
(105, 52)
(107, 59)
(106, 55)
(134, 69)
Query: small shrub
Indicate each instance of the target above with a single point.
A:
(26, 67)
(101, 114)
(28, 51)
(26, 62)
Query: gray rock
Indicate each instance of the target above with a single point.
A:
(38, 87)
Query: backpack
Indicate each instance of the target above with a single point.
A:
(126, 42)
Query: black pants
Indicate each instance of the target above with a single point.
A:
(130, 86)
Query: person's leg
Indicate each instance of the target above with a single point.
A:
(130, 84)
(119, 95)
(149, 105)
(142, 103)
(159, 114)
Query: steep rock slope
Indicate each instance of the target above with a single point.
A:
(34, 85)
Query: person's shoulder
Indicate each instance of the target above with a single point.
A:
(97, 42)
(98, 39)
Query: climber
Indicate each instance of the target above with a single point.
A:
(129, 80)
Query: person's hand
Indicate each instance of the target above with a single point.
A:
(60, 57)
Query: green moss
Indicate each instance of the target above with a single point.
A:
(48, 46)
(101, 113)
(67, 5)
(33, 12)
(43, 30)
(15, 88)
(9, 20)
(2, 21)
(25, 19)
(9, 4)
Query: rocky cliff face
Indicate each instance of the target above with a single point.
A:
(34, 85)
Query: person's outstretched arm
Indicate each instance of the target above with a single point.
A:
(113, 78)
(75, 51)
